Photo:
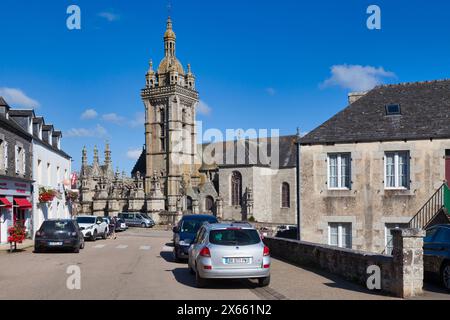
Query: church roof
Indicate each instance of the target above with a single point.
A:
(140, 165)
(170, 62)
(249, 150)
(408, 111)
(253, 152)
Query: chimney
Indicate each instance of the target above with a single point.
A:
(355, 96)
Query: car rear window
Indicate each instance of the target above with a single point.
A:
(191, 226)
(86, 220)
(234, 237)
(52, 226)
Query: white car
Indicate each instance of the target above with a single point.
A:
(93, 227)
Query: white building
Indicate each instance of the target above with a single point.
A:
(51, 168)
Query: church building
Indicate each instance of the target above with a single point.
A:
(178, 180)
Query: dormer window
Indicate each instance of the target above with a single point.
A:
(393, 110)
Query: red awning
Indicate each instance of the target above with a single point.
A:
(23, 203)
(5, 203)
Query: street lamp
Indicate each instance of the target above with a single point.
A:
(297, 143)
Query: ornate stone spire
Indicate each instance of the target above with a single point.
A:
(96, 155)
(107, 154)
(96, 164)
(169, 39)
(84, 156)
(190, 78)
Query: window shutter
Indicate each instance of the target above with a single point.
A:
(24, 162)
(5, 152)
(16, 158)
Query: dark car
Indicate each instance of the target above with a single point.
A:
(287, 233)
(437, 254)
(121, 225)
(185, 232)
(59, 235)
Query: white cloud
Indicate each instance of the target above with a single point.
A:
(109, 16)
(98, 131)
(89, 114)
(357, 77)
(114, 118)
(134, 154)
(271, 91)
(204, 108)
(138, 121)
(16, 97)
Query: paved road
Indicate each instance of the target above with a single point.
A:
(139, 265)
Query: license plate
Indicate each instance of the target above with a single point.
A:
(55, 244)
(237, 260)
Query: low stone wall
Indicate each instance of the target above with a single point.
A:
(400, 274)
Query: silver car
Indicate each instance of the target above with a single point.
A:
(229, 251)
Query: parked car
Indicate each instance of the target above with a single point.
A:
(59, 234)
(287, 233)
(93, 227)
(229, 251)
(186, 230)
(137, 220)
(437, 254)
(121, 225)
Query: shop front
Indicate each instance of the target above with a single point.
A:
(15, 206)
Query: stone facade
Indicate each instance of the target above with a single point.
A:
(367, 205)
(391, 143)
(105, 193)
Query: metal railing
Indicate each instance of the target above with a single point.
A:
(437, 202)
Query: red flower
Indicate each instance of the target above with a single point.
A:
(16, 233)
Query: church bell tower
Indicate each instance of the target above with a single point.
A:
(170, 101)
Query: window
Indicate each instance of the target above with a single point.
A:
(162, 130)
(389, 238)
(209, 204)
(5, 155)
(49, 174)
(2, 155)
(58, 174)
(236, 189)
(20, 160)
(189, 204)
(285, 196)
(39, 172)
(393, 110)
(340, 235)
(339, 171)
(397, 170)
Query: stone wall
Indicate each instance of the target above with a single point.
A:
(401, 274)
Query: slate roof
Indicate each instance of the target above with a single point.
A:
(425, 114)
(140, 165)
(254, 152)
(3, 102)
(22, 113)
(287, 154)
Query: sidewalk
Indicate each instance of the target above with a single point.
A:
(26, 244)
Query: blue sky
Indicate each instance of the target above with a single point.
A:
(259, 64)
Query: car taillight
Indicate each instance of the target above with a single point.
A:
(266, 251)
(205, 252)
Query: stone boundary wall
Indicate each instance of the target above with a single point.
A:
(401, 274)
